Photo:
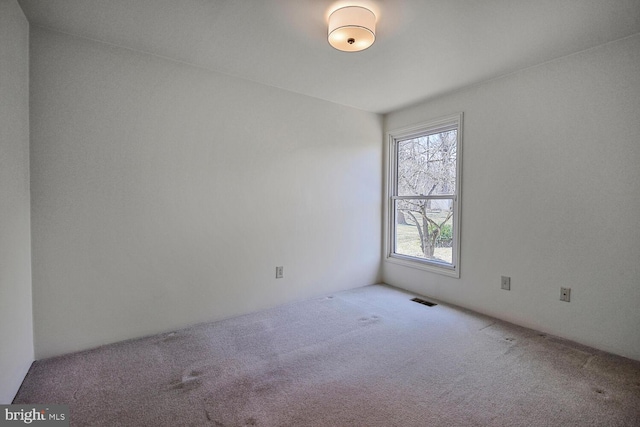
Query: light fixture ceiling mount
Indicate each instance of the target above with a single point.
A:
(352, 28)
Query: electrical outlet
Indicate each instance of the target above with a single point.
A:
(279, 272)
(505, 283)
(565, 294)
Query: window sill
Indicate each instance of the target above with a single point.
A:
(432, 267)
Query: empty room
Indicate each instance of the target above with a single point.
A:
(320, 213)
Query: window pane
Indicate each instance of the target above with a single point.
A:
(424, 229)
(427, 165)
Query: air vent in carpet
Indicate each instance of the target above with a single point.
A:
(424, 302)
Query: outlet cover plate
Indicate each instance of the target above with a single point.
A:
(565, 294)
(505, 283)
(279, 272)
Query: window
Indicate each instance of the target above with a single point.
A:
(423, 214)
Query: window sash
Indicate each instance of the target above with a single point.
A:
(436, 196)
(429, 261)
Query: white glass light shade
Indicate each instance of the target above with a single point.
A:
(352, 28)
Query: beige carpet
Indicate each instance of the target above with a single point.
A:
(365, 357)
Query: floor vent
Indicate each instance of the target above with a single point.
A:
(424, 302)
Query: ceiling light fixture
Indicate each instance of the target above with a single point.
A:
(352, 28)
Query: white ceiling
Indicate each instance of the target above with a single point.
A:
(424, 48)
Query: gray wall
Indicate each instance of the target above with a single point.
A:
(550, 197)
(16, 336)
(165, 195)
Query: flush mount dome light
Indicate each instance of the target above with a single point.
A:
(352, 28)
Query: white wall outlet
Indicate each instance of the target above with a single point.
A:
(565, 294)
(279, 272)
(505, 283)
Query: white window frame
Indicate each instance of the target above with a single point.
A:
(393, 138)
